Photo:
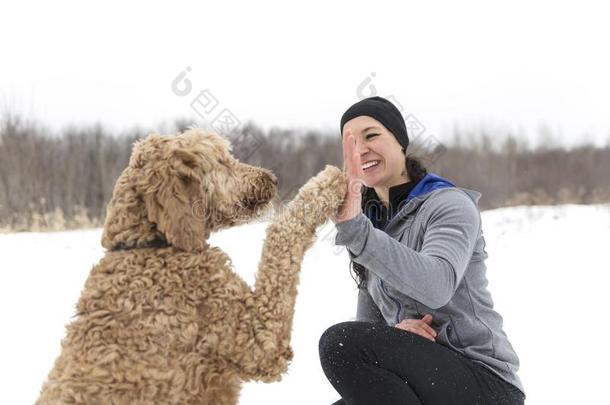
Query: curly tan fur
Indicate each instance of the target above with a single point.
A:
(175, 324)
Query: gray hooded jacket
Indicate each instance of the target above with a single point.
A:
(430, 258)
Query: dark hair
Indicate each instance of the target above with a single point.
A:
(416, 172)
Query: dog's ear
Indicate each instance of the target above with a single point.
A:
(175, 201)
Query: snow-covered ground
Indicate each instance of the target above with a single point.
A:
(548, 272)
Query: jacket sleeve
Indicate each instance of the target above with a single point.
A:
(431, 275)
(367, 310)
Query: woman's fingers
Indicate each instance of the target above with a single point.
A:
(426, 321)
(352, 166)
(356, 167)
(345, 154)
(419, 327)
(421, 333)
(351, 158)
(429, 329)
(347, 141)
(350, 150)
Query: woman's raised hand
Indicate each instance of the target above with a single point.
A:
(419, 326)
(352, 168)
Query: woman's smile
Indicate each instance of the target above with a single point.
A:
(371, 166)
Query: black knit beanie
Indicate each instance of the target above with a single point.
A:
(383, 111)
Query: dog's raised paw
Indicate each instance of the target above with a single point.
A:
(333, 186)
(323, 194)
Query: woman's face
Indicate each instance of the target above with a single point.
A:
(381, 155)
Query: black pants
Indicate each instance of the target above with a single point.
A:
(381, 365)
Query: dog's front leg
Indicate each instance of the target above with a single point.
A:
(263, 339)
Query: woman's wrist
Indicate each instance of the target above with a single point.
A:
(349, 210)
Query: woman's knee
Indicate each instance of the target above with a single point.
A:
(340, 337)
(333, 346)
(337, 333)
(331, 337)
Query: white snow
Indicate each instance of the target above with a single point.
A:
(547, 270)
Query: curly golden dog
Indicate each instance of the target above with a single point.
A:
(163, 318)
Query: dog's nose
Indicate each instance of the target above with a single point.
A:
(273, 178)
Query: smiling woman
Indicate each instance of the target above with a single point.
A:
(385, 164)
(426, 330)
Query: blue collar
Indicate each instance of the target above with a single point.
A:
(429, 183)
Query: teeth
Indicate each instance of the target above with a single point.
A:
(370, 164)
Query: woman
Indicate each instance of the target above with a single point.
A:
(425, 331)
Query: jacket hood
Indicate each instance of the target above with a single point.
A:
(433, 182)
(414, 198)
(425, 186)
(422, 190)
(429, 183)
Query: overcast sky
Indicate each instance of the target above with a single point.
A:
(517, 65)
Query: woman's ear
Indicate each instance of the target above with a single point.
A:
(175, 200)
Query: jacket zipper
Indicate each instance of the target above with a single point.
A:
(393, 300)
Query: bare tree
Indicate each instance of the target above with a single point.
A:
(54, 181)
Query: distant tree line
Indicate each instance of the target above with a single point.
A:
(51, 181)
